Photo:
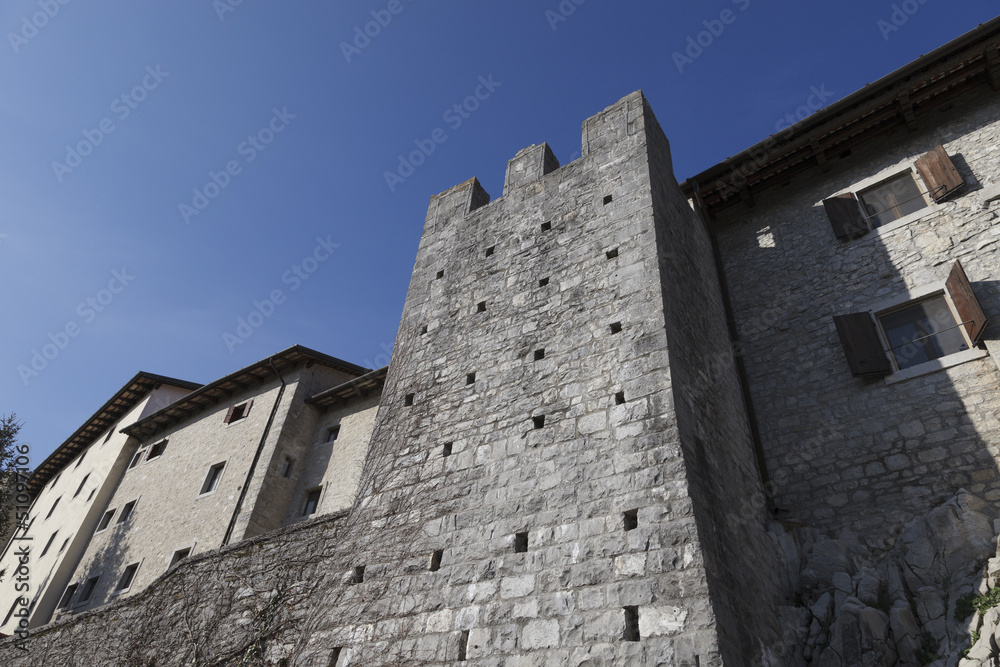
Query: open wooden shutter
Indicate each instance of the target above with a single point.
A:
(862, 344)
(229, 414)
(249, 405)
(938, 173)
(966, 303)
(845, 216)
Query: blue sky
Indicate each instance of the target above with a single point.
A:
(164, 166)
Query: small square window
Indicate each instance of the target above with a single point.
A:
(446, 450)
(616, 327)
(286, 467)
(611, 254)
(125, 582)
(333, 433)
(88, 589)
(49, 544)
(178, 556)
(68, 595)
(408, 399)
(892, 199)
(358, 575)
(135, 459)
(543, 282)
(105, 520)
(470, 378)
(538, 421)
(546, 226)
(126, 512)
(520, 543)
(631, 518)
(423, 330)
(608, 199)
(539, 354)
(620, 398)
(490, 250)
(312, 502)
(440, 275)
(238, 412)
(922, 331)
(83, 483)
(156, 450)
(481, 307)
(212, 479)
(436, 560)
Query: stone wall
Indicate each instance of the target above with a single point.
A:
(848, 451)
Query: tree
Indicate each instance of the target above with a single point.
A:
(13, 468)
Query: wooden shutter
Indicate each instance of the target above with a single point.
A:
(845, 216)
(966, 303)
(938, 173)
(862, 344)
(229, 414)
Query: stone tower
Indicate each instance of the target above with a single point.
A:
(564, 394)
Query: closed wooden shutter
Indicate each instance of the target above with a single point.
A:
(938, 173)
(845, 216)
(966, 303)
(862, 344)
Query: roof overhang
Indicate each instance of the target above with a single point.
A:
(233, 384)
(124, 400)
(902, 98)
(358, 388)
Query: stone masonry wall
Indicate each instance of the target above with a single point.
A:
(846, 451)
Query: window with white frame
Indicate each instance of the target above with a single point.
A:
(937, 322)
(212, 479)
(897, 196)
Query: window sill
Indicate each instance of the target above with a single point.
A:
(885, 230)
(936, 365)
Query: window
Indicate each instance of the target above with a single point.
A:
(88, 589)
(80, 460)
(53, 508)
(127, 577)
(238, 412)
(111, 432)
(83, 482)
(135, 459)
(333, 433)
(286, 469)
(64, 545)
(178, 556)
(312, 502)
(156, 450)
(126, 512)
(212, 479)
(49, 543)
(105, 520)
(935, 322)
(68, 595)
(872, 205)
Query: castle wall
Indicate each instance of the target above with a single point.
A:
(868, 453)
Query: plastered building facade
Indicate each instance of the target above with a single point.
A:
(748, 419)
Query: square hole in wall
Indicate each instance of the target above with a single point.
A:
(440, 275)
(286, 467)
(470, 378)
(490, 250)
(520, 543)
(463, 646)
(616, 327)
(436, 560)
(608, 199)
(631, 624)
(543, 282)
(620, 398)
(546, 226)
(538, 421)
(481, 307)
(631, 519)
(178, 556)
(408, 399)
(611, 254)
(446, 450)
(423, 330)
(358, 575)
(539, 354)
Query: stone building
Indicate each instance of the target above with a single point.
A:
(748, 419)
